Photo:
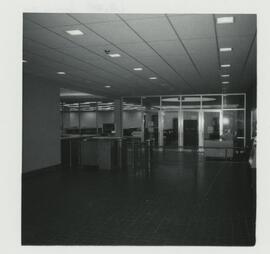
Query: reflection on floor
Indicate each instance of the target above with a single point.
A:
(183, 200)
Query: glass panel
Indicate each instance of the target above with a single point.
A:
(233, 101)
(132, 103)
(70, 118)
(132, 123)
(151, 103)
(132, 116)
(190, 129)
(88, 106)
(253, 123)
(170, 103)
(191, 102)
(105, 117)
(233, 123)
(211, 125)
(211, 102)
(170, 128)
(88, 118)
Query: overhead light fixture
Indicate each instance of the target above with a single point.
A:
(225, 75)
(225, 49)
(225, 82)
(152, 78)
(61, 73)
(138, 69)
(74, 32)
(114, 55)
(107, 86)
(24, 61)
(225, 20)
(225, 65)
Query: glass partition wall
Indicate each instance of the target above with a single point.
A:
(186, 121)
(90, 117)
(183, 121)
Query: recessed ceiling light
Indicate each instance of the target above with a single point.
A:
(225, 20)
(152, 78)
(114, 55)
(107, 86)
(225, 65)
(225, 75)
(138, 69)
(61, 73)
(74, 32)
(225, 49)
(24, 61)
(225, 82)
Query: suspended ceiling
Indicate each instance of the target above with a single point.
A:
(180, 50)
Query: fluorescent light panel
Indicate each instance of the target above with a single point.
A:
(61, 73)
(225, 82)
(225, 75)
(152, 78)
(114, 55)
(74, 32)
(107, 86)
(225, 20)
(137, 69)
(225, 65)
(225, 49)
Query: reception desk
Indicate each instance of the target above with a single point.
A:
(103, 152)
(222, 149)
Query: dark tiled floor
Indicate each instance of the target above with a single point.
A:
(183, 200)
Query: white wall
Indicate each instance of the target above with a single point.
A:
(168, 119)
(41, 124)
(88, 120)
(132, 119)
(105, 117)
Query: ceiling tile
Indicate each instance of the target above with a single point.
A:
(51, 19)
(140, 16)
(88, 38)
(157, 29)
(201, 46)
(48, 38)
(80, 53)
(116, 32)
(29, 25)
(244, 24)
(137, 49)
(168, 48)
(90, 18)
(194, 26)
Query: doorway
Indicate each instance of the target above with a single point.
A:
(190, 129)
(170, 129)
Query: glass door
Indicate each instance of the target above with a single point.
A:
(190, 129)
(170, 129)
(212, 125)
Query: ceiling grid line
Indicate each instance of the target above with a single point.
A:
(217, 47)
(248, 55)
(88, 79)
(134, 58)
(187, 83)
(93, 52)
(183, 45)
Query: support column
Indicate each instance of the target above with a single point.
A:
(118, 117)
(180, 129)
(201, 131)
(160, 128)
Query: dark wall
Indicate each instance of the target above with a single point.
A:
(41, 124)
(251, 99)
